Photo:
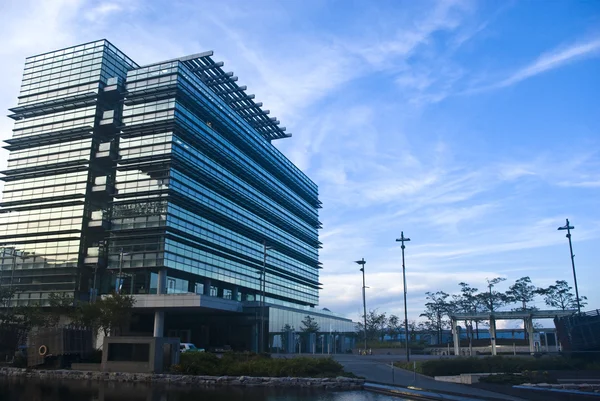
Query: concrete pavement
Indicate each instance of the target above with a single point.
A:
(377, 368)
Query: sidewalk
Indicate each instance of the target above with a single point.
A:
(377, 368)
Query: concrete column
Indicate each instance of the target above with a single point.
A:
(493, 334)
(529, 328)
(455, 337)
(207, 284)
(235, 293)
(162, 281)
(159, 316)
(159, 323)
(192, 286)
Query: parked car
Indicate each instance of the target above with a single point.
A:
(189, 347)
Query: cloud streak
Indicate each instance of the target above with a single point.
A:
(551, 60)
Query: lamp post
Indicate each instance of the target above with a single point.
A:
(403, 239)
(362, 263)
(262, 297)
(569, 227)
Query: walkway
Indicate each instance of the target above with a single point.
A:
(377, 368)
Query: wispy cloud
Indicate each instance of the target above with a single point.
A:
(551, 60)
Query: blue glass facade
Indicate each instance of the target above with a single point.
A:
(120, 174)
(51, 193)
(116, 167)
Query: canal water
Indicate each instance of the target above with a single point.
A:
(72, 390)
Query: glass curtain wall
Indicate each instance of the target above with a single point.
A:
(51, 192)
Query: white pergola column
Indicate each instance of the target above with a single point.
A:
(529, 328)
(455, 337)
(493, 334)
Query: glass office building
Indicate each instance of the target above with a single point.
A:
(118, 172)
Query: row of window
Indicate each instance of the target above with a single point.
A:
(213, 142)
(60, 116)
(226, 234)
(56, 127)
(254, 252)
(59, 93)
(250, 195)
(53, 250)
(209, 265)
(31, 227)
(264, 149)
(46, 181)
(226, 151)
(67, 53)
(77, 155)
(68, 77)
(125, 186)
(50, 149)
(151, 139)
(220, 205)
(45, 192)
(17, 216)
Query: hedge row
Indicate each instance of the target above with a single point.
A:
(249, 364)
(494, 364)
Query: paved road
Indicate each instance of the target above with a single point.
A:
(377, 368)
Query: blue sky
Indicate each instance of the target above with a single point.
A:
(471, 126)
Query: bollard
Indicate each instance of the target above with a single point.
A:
(414, 371)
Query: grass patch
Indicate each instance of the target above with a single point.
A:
(493, 364)
(250, 364)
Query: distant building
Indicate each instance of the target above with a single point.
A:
(159, 181)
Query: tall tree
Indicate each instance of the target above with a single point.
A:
(559, 296)
(376, 324)
(114, 312)
(522, 292)
(393, 326)
(467, 302)
(436, 310)
(492, 299)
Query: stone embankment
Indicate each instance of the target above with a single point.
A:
(585, 387)
(338, 383)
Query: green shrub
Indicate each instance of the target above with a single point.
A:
(516, 379)
(492, 364)
(251, 364)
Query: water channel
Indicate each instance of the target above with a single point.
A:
(71, 390)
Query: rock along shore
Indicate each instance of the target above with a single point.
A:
(338, 383)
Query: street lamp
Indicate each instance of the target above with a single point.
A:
(403, 239)
(362, 269)
(263, 285)
(569, 227)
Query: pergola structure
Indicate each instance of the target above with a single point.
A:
(527, 316)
